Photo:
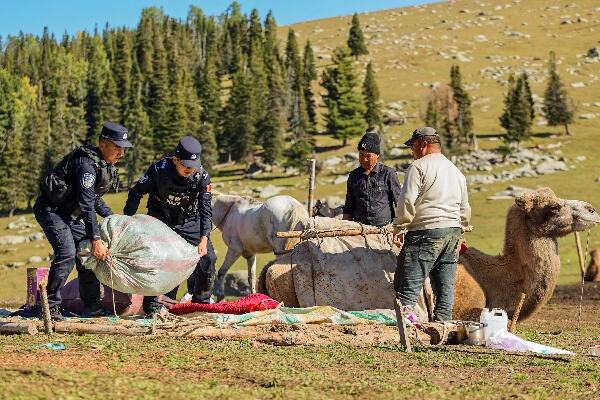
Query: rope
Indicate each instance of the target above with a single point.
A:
(587, 243)
(112, 284)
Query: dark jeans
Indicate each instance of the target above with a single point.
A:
(200, 283)
(64, 235)
(433, 253)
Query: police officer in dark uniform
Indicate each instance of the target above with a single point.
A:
(71, 195)
(180, 196)
(373, 189)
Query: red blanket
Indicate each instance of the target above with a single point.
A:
(250, 303)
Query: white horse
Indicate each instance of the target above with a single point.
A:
(250, 227)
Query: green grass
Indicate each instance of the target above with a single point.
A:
(96, 367)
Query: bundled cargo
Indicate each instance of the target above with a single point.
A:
(145, 256)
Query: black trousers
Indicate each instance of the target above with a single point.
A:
(64, 235)
(200, 283)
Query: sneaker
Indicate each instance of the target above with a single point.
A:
(56, 314)
(95, 313)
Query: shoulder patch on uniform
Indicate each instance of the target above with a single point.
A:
(143, 178)
(87, 180)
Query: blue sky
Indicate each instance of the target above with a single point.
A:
(30, 16)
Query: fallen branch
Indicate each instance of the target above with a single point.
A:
(10, 328)
(102, 329)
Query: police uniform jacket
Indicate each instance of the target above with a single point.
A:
(85, 178)
(173, 199)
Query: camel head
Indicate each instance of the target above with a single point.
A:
(550, 216)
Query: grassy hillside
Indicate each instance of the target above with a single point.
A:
(414, 47)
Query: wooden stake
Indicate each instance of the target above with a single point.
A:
(45, 307)
(515, 317)
(404, 339)
(580, 254)
(336, 232)
(311, 187)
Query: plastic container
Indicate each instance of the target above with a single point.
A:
(494, 320)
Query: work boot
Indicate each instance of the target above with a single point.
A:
(56, 314)
(95, 312)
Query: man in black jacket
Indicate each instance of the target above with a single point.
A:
(373, 188)
(180, 196)
(71, 195)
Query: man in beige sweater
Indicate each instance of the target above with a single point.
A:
(432, 212)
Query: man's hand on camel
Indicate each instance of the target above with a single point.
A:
(99, 249)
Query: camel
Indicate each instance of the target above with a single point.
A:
(529, 262)
(592, 274)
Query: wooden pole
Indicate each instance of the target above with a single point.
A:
(404, 339)
(45, 307)
(580, 254)
(311, 187)
(336, 232)
(515, 317)
(9, 328)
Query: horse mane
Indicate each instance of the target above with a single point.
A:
(249, 199)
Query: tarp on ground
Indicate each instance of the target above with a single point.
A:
(308, 315)
(146, 256)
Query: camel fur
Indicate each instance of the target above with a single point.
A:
(592, 274)
(529, 262)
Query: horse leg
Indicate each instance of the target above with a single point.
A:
(251, 261)
(230, 258)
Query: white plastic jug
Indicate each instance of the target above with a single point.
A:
(494, 320)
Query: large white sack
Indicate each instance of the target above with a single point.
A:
(146, 256)
(348, 272)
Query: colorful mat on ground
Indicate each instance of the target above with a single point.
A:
(309, 315)
(248, 304)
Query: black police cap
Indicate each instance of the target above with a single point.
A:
(188, 151)
(115, 133)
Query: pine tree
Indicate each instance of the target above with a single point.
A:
(516, 119)
(431, 119)
(356, 39)
(528, 94)
(238, 129)
(123, 68)
(310, 74)
(138, 123)
(272, 126)
(464, 118)
(13, 113)
(36, 129)
(101, 97)
(370, 91)
(558, 108)
(159, 98)
(345, 106)
(297, 114)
